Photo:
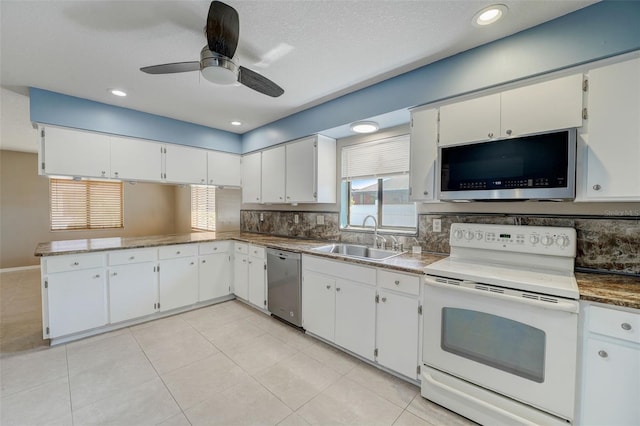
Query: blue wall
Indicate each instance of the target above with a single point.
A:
(602, 30)
(62, 110)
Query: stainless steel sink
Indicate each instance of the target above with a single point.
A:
(357, 251)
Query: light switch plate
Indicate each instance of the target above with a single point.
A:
(437, 225)
(261, 217)
(320, 219)
(296, 219)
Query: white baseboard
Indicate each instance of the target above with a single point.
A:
(20, 268)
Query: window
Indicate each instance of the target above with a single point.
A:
(203, 208)
(375, 182)
(85, 204)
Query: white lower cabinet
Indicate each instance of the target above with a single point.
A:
(610, 367)
(214, 276)
(319, 304)
(178, 277)
(241, 270)
(77, 301)
(257, 275)
(397, 332)
(356, 317)
(133, 291)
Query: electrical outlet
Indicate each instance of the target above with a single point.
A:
(261, 217)
(296, 219)
(437, 225)
(320, 219)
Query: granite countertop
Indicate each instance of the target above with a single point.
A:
(619, 290)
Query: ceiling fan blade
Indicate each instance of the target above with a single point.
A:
(223, 27)
(172, 68)
(261, 84)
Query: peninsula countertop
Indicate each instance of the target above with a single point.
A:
(619, 290)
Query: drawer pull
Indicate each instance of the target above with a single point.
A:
(397, 282)
(337, 288)
(328, 287)
(132, 257)
(625, 326)
(75, 264)
(204, 261)
(215, 248)
(603, 354)
(96, 276)
(384, 299)
(114, 274)
(178, 252)
(191, 263)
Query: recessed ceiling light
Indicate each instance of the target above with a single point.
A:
(236, 123)
(364, 127)
(489, 15)
(117, 92)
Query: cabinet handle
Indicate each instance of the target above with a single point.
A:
(397, 282)
(328, 287)
(75, 264)
(288, 198)
(204, 261)
(384, 299)
(337, 288)
(603, 354)
(625, 326)
(509, 131)
(114, 274)
(257, 198)
(177, 252)
(116, 173)
(191, 263)
(132, 257)
(202, 180)
(597, 187)
(215, 248)
(425, 193)
(104, 173)
(96, 276)
(244, 260)
(490, 135)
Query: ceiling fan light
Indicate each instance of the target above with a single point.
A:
(365, 127)
(216, 68)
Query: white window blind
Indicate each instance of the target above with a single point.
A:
(374, 159)
(85, 204)
(203, 207)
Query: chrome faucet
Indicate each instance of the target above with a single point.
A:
(394, 244)
(375, 228)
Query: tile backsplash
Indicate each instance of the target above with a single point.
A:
(604, 243)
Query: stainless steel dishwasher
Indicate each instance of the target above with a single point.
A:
(284, 285)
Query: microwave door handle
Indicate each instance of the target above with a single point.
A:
(566, 306)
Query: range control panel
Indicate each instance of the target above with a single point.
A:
(548, 240)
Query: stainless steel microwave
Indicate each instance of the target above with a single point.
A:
(536, 167)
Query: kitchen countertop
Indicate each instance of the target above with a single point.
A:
(619, 290)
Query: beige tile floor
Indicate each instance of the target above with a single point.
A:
(226, 364)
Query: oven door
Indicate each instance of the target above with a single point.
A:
(518, 347)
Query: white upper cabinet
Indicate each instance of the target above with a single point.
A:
(611, 153)
(311, 170)
(184, 164)
(469, 121)
(551, 105)
(136, 159)
(541, 107)
(273, 175)
(424, 153)
(223, 168)
(74, 153)
(252, 178)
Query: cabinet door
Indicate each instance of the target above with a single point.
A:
(611, 384)
(257, 282)
(136, 159)
(77, 301)
(613, 140)
(178, 282)
(75, 153)
(547, 106)
(397, 332)
(241, 276)
(252, 178)
(356, 317)
(470, 121)
(424, 153)
(214, 276)
(318, 304)
(273, 175)
(184, 164)
(133, 291)
(301, 171)
(223, 168)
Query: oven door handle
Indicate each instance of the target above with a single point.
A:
(561, 305)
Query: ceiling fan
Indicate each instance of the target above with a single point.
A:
(216, 58)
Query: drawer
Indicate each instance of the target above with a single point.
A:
(611, 322)
(125, 257)
(340, 269)
(180, 250)
(216, 247)
(257, 251)
(75, 262)
(404, 283)
(241, 248)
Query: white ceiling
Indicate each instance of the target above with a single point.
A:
(315, 50)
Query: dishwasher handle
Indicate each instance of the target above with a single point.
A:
(282, 254)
